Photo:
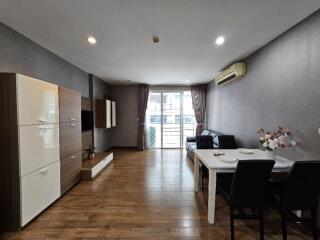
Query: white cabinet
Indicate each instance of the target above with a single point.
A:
(38, 190)
(37, 101)
(101, 165)
(39, 146)
(30, 168)
(91, 168)
(108, 113)
(39, 151)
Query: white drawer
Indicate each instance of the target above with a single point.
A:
(39, 146)
(38, 190)
(37, 101)
(101, 165)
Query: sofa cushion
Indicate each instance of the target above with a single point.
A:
(191, 146)
(191, 139)
(205, 132)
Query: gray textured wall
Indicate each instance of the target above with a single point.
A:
(126, 132)
(282, 87)
(20, 54)
(100, 90)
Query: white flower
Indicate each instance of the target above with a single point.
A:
(265, 144)
(281, 138)
(267, 136)
(271, 144)
(276, 140)
(272, 147)
(262, 139)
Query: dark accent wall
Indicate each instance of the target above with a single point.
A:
(99, 89)
(125, 134)
(22, 55)
(282, 87)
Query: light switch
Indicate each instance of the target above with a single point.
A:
(319, 131)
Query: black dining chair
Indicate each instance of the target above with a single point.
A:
(299, 192)
(248, 190)
(227, 142)
(204, 142)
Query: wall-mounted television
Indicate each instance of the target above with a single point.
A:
(87, 120)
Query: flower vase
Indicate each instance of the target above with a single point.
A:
(270, 154)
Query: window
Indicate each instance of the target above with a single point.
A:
(169, 119)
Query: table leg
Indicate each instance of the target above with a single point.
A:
(196, 173)
(212, 195)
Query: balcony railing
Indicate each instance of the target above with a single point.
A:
(171, 134)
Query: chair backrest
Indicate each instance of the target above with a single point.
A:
(204, 142)
(227, 142)
(250, 183)
(303, 186)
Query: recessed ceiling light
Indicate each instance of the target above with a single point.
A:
(187, 80)
(220, 40)
(92, 40)
(155, 39)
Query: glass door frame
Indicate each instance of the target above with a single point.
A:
(180, 91)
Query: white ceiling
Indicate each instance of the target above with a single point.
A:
(124, 30)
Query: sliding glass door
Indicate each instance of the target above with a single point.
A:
(169, 119)
(171, 124)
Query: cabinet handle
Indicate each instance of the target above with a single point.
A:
(72, 157)
(44, 170)
(72, 119)
(45, 128)
(72, 124)
(43, 121)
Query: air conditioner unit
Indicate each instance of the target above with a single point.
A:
(235, 71)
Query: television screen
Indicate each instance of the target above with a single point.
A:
(87, 120)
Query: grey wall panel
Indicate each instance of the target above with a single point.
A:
(102, 137)
(282, 87)
(20, 54)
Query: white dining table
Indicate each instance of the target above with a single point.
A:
(217, 164)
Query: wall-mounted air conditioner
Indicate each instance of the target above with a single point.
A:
(235, 71)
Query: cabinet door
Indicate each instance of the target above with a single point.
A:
(37, 101)
(70, 139)
(114, 118)
(69, 105)
(38, 190)
(70, 171)
(103, 113)
(39, 146)
(108, 114)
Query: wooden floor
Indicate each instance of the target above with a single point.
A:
(143, 195)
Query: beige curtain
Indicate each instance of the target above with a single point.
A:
(143, 95)
(198, 94)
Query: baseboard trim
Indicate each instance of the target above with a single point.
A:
(124, 147)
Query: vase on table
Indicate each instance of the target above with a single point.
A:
(270, 154)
